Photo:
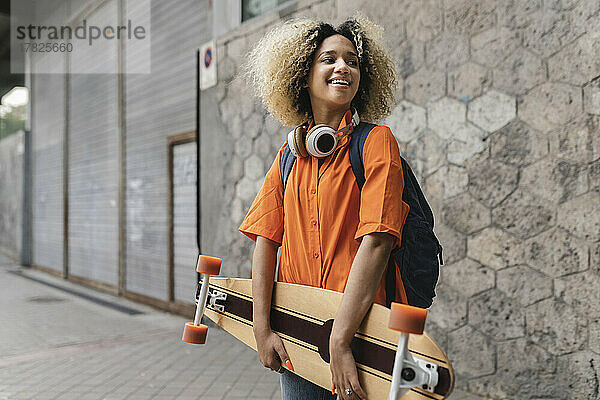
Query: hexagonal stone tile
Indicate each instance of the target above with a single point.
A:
(591, 97)
(491, 181)
(446, 116)
(516, 14)
(424, 20)
(523, 214)
(424, 85)
(555, 180)
(578, 141)
(246, 189)
(594, 174)
(569, 289)
(447, 51)
(460, 349)
(492, 111)
(262, 146)
(577, 63)
(425, 154)
(449, 309)
(579, 372)
(518, 144)
(454, 244)
(254, 167)
(524, 284)
(465, 214)
(581, 216)
(494, 248)
(455, 180)
(548, 32)
(492, 46)
(235, 169)
(468, 81)
(469, 16)
(243, 146)
(469, 277)
(524, 368)
(519, 72)
(468, 141)
(237, 212)
(550, 104)
(407, 121)
(496, 315)
(410, 56)
(595, 335)
(556, 327)
(253, 125)
(556, 253)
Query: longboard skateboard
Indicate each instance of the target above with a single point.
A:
(303, 318)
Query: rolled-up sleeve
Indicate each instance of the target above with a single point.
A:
(265, 217)
(381, 205)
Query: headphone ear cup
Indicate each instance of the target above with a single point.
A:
(299, 141)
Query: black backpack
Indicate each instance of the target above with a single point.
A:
(420, 254)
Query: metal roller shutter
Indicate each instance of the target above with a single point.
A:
(94, 161)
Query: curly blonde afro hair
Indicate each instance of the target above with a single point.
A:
(278, 66)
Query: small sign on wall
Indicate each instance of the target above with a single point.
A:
(208, 65)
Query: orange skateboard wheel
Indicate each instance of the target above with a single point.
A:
(208, 265)
(194, 334)
(407, 319)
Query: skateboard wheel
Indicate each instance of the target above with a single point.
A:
(208, 265)
(194, 334)
(407, 319)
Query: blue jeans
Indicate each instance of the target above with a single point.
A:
(294, 387)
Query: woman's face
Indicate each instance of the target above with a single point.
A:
(334, 75)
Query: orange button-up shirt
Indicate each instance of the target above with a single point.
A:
(321, 216)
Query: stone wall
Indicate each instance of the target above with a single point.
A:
(499, 114)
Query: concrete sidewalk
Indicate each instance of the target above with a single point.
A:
(64, 341)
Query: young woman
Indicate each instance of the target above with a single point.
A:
(332, 235)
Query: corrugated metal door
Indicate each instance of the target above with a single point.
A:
(185, 249)
(47, 135)
(159, 105)
(94, 161)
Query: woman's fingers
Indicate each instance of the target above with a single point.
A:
(282, 353)
(356, 388)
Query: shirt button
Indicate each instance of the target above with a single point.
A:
(316, 255)
(313, 191)
(313, 222)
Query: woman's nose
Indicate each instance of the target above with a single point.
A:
(341, 66)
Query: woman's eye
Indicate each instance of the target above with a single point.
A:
(328, 59)
(352, 62)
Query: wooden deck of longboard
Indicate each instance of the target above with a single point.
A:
(311, 312)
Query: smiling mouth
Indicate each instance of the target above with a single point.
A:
(338, 83)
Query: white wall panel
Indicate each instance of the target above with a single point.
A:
(185, 249)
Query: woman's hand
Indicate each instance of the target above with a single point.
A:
(271, 351)
(343, 371)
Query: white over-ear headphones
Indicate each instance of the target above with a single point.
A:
(320, 141)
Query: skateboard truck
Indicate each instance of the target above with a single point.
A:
(409, 372)
(195, 332)
(215, 296)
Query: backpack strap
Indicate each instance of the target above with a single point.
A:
(285, 165)
(357, 143)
